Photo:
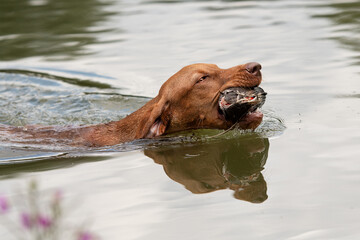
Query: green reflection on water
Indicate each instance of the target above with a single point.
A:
(51, 28)
(46, 164)
(74, 81)
(347, 16)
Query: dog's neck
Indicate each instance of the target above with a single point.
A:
(124, 130)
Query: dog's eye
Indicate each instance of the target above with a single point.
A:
(202, 78)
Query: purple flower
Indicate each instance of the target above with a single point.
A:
(4, 204)
(44, 221)
(26, 220)
(58, 196)
(85, 236)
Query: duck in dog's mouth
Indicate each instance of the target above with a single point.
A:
(241, 104)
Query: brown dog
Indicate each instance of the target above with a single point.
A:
(187, 100)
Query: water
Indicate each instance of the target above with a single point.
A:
(84, 62)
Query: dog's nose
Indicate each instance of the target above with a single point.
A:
(253, 68)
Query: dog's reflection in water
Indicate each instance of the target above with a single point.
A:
(234, 164)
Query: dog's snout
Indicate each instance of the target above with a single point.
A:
(253, 68)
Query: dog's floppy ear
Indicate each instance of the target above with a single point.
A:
(157, 122)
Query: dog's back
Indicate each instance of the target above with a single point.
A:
(33, 134)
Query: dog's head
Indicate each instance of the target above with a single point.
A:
(195, 97)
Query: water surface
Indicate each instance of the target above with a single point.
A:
(86, 62)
